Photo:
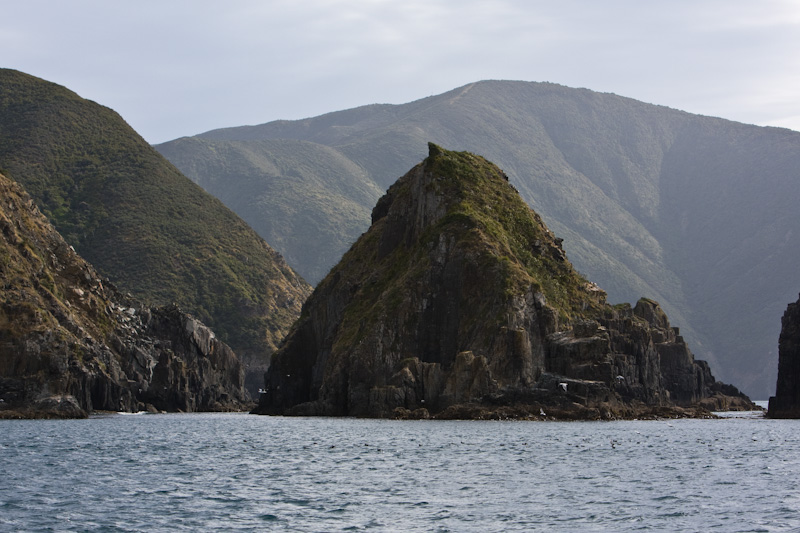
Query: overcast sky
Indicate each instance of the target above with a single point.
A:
(182, 67)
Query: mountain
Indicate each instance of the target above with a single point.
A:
(786, 402)
(696, 212)
(458, 302)
(140, 222)
(70, 344)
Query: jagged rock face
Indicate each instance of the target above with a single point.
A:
(786, 402)
(459, 295)
(178, 364)
(70, 344)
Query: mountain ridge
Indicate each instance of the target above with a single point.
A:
(649, 199)
(334, 192)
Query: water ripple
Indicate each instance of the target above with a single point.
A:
(248, 473)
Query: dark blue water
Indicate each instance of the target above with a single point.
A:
(241, 472)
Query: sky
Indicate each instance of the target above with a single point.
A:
(174, 68)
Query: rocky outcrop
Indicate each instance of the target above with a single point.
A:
(786, 402)
(459, 302)
(70, 344)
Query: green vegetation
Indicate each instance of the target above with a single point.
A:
(138, 220)
(504, 229)
(306, 200)
(30, 293)
(504, 247)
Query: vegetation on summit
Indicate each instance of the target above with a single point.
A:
(482, 215)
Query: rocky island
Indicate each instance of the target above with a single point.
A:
(786, 402)
(70, 344)
(458, 302)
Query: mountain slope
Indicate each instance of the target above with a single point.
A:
(70, 344)
(458, 300)
(693, 211)
(305, 199)
(139, 221)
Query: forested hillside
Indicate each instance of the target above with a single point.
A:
(140, 222)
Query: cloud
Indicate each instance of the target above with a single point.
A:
(185, 66)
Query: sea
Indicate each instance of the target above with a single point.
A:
(241, 472)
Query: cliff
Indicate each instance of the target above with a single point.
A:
(70, 344)
(786, 402)
(459, 302)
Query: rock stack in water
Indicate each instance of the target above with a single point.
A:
(458, 302)
(786, 402)
(70, 344)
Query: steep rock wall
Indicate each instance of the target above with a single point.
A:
(71, 344)
(786, 402)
